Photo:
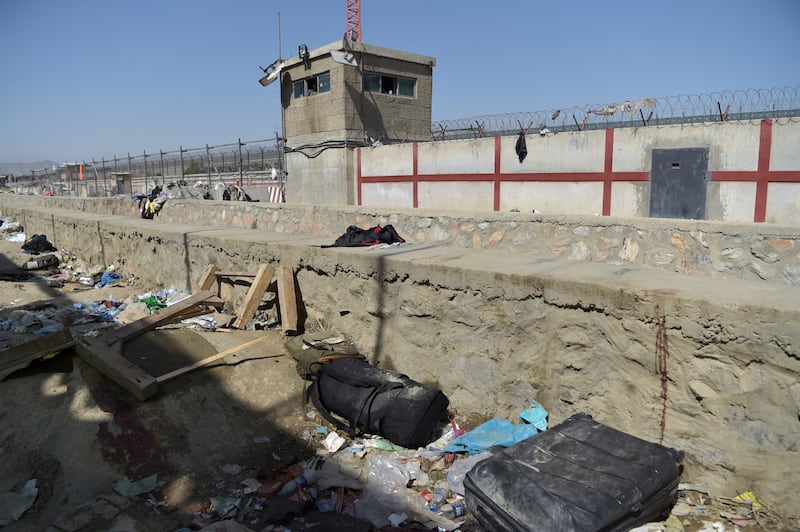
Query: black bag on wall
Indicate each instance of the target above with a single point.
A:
(377, 401)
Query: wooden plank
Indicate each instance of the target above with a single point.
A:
(209, 360)
(163, 316)
(110, 362)
(209, 277)
(21, 355)
(253, 297)
(287, 299)
(236, 274)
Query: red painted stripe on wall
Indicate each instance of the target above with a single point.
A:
(415, 173)
(358, 175)
(762, 179)
(607, 169)
(497, 174)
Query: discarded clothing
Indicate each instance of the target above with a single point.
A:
(151, 205)
(521, 147)
(13, 504)
(495, 432)
(109, 278)
(38, 244)
(356, 236)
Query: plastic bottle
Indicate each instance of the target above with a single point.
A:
(289, 489)
(438, 500)
(453, 510)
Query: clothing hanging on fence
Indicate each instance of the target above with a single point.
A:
(521, 148)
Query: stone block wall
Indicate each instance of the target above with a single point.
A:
(746, 251)
(705, 364)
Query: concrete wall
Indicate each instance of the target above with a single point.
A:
(321, 129)
(753, 172)
(322, 180)
(494, 329)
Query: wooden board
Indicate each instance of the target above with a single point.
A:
(287, 299)
(208, 360)
(113, 365)
(209, 277)
(21, 355)
(165, 315)
(235, 274)
(253, 298)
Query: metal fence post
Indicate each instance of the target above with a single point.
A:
(208, 165)
(241, 168)
(105, 181)
(144, 160)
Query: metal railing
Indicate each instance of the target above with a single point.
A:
(781, 104)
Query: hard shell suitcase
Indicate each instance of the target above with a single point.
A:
(377, 401)
(579, 475)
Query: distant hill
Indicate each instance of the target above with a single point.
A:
(24, 169)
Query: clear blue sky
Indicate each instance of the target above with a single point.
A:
(86, 79)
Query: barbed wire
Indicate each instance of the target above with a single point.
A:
(782, 103)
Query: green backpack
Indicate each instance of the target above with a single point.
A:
(310, 350)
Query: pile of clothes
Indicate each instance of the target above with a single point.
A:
(151, 204)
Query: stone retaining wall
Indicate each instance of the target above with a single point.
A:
(709, 364)
(763, 252)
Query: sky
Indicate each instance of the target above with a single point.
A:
(86, 79)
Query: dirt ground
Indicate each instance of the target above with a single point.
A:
(65, 424)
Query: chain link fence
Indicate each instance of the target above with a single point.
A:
(251, 161)
(780, 104)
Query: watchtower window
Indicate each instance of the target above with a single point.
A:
(311, 86)
(390, 85)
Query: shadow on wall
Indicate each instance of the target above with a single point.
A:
(369, 116)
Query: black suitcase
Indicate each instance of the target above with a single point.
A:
(579, 475)
(378, 401)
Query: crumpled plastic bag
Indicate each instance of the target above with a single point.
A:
(494, 433)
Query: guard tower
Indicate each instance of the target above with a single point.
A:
(342, 96)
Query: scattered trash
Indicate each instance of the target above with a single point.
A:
(333, 442)
(231, 469)
(536, 415)
(13, 504)
(126, 488)
(43, 261)
(109, 278)
(495, 432)
(749, 498)
(8, 227)
(17, 238)
(204, 322)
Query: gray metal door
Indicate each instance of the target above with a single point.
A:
(678, 183)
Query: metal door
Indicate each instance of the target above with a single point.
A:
(678, 183)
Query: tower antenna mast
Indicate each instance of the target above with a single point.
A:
(353, 20)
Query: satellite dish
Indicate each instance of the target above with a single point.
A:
(343, 57)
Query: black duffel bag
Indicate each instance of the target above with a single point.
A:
(377, 401)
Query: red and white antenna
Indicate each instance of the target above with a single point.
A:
(353, 20)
